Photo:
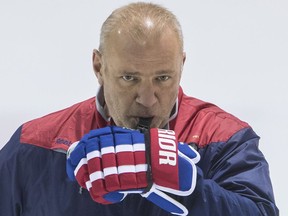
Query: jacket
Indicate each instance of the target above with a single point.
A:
(233, 175)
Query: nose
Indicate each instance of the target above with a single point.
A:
(146, 95)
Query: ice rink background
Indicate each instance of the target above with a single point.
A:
(237, 57)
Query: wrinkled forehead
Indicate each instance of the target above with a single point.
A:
(162, 52)
(139, 38)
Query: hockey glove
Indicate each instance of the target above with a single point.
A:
(111, 162)
(108, 160)
(173, 170)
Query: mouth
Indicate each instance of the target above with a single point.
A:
(144, 123)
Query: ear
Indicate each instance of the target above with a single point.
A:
(97, 65)
(184, 57)
(183, 62)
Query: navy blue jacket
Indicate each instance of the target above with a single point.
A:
(233, 175)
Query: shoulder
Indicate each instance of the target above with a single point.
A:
(203, 123)
(14, 153)
(59, 129)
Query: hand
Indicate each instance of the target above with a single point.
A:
(173, 170)
(108, 160)
(122, 169)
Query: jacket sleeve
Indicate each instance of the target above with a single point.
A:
(10, 192)
(233, 179)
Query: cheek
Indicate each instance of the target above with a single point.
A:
(117, 100)
(168, 97)
(119, 93)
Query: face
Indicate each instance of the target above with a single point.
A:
(140, 79)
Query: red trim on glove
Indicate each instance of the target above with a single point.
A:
(164, 158)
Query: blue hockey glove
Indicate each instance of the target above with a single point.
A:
(112, 162)
(107, 161)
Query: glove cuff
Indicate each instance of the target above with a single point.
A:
(165, 202)
(164, 157)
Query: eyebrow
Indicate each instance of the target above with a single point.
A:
(164, 72)
(161, 72)
(130, 72)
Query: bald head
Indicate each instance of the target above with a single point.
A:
(139, 22)
(140, 63)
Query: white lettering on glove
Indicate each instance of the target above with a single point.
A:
(167, 143)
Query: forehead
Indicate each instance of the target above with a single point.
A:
(161, 48)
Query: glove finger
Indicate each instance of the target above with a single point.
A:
(109, 163)
(106, 197)
(125, 160)
(70, 167)
(99, 132)
(81, 173)
(78, 152)
(95, 185)
(78, 162)
(165, 202)
(189, 151)
(140, 159)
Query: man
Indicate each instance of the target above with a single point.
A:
(139, 114)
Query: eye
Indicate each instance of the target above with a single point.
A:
(129, 78)
(163, 78)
